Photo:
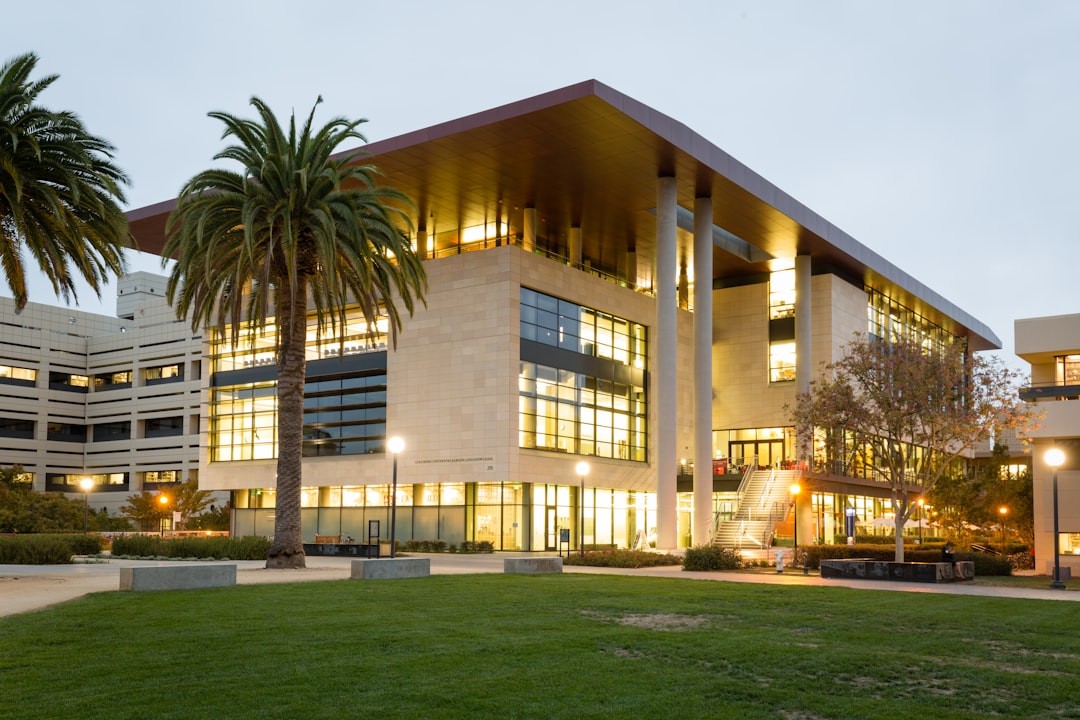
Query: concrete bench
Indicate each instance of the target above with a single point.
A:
(177, 577)
(532, 565)
(390, 568)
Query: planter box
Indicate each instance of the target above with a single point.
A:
(867, 569)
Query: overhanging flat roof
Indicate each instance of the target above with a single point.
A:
(588, 156)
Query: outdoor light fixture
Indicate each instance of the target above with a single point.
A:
(795, 490)
(395, 445)
(582, 471)
(920, 502)
(163, 499)
(87, 484)
(1004, 512)
(1054, 457)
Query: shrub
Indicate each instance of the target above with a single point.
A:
(84, 544)
(242, 548)
(617, 558)
(468, 546)
(424, 546)
(35, 550)
(707, 557)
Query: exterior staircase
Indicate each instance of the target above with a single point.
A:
(763, 500)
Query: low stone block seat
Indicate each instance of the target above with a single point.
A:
(870, 569)
(177, 577)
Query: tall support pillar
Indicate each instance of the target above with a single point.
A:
(703, 341)
(528, 229)
(631, 270)
(573, 247)
(665, 388)
(422, 249)
(804, 348)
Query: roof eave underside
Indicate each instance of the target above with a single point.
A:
(588, 156)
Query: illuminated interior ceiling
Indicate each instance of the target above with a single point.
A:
(588, 156)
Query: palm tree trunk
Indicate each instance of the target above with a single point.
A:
(287, 550)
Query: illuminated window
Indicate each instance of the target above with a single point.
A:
(889, 321)
(580, 329)
(782, 361)
(163, 374)
(11, 375)
(69, 381)
(1069, 369)
(112, 380)
(156, 477)
(255, 348)
(575, 413)
(782, 294)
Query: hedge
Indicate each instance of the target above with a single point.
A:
(221, 548)
(708, 557)
(621, 559)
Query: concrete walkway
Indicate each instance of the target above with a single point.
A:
(24, 588)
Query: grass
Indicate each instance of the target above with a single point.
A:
(557, 646)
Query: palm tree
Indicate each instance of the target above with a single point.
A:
(59, 192)
(294, 225)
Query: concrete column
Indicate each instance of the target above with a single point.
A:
(703, 272)
(528, 229)
(630, 270)
(422, 248)
(665, 345)
(684, 286)
(573, 247)
(804, 346)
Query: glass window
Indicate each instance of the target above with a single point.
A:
(12, 375)
(781, 361)
(163, 374)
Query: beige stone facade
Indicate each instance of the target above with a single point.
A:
(1052, 346)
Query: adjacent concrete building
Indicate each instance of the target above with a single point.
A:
(112, 399)
(1052, 346)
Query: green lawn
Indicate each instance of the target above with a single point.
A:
(556, 646)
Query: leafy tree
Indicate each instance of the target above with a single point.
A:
(24, 511)
(975, 496)
(60, 192)
(296, 225)
(216, 518)
(911, 415)
(147, 510)
(189, 500)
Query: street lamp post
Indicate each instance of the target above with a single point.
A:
(582, 471)
(1054, 458)
(1004, 512)
(164, 501)
(795, 490)
(920, 502)
(395, 445)
(87, 484)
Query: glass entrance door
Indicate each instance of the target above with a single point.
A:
(551, 530)
(769, 453)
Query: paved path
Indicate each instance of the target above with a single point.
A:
(24, 588)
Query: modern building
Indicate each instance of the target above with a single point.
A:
(606, 286)
(1052, 346)
(112, 399)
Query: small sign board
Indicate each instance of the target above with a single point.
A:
(564, 535)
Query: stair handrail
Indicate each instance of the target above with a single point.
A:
(747, 474)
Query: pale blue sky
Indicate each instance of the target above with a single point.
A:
(944, 136)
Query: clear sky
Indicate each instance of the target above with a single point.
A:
(943, 135)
